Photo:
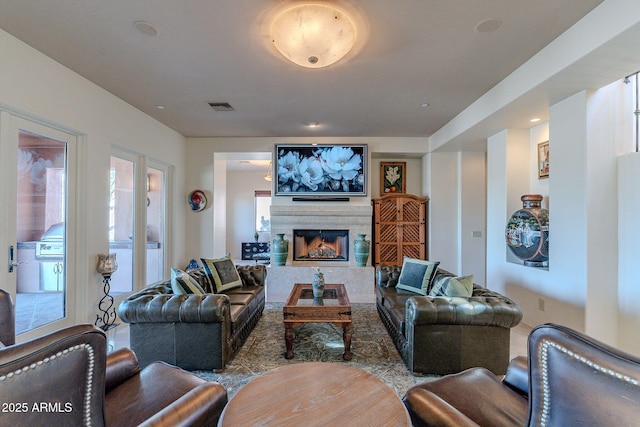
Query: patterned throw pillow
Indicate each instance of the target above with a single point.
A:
(453, 286)
(417, 275)
(223, 273)
(203, 280)
(183, 284)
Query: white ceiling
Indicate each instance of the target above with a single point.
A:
(414, 52)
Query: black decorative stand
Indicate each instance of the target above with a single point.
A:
(107, 320)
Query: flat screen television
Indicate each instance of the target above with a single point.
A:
(320, 170)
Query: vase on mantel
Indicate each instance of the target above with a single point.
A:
(527, 232)
(361, 250)
(317, 284)
(280, 249)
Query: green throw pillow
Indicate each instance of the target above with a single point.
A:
(417, 275)
(183, 284)
(222, 273)
(453, 286)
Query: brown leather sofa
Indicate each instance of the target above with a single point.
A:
(67, 379)
(568, 379)
(443, 335)
(7, 319)
(194, 332)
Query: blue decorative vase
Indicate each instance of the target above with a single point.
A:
(527, 232)
(279, 249)
(361, 250)
(317, 284)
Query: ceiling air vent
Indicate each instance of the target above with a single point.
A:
(221, 106)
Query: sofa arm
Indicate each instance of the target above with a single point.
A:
(428, 409)
(517, 376)
(387, 275)
(476, 310)
(252, 275)
(7, 319)
(169, 308)
(201, 406)
(121, 365)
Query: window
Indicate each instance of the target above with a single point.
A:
(156, 199)
(121, 222)
(262, 211)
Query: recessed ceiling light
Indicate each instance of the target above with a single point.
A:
(313, 125)
(488, 25)
(160, 107)
(424, 105)
(146, 28)
(535, 119)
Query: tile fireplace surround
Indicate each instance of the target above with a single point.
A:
(359, 281)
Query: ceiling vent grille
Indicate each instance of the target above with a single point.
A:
(221, 106)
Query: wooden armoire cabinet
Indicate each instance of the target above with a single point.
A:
(399, 228)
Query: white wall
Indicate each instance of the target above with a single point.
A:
(241, 187)
(580, 287)
(444, 235)
(473, 220)
(628, 238)
(457, 189)
(38, 87)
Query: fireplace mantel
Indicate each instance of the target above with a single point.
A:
(354, 218)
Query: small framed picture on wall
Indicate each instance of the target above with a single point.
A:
(543, 160)
(392, 177)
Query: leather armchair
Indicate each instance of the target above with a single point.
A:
(67, 379)
(569, 379)
(7, 319)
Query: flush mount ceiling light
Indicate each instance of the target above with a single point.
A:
(313, 35)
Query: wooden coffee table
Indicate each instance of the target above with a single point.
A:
(315, 394)
(302, 308)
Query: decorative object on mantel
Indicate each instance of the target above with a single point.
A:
(527, 232)
(197, 200)
(280, 250)
(392, 177)
(317, 284)
(107, 265)
(361, 250)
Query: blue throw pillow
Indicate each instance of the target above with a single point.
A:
(417, 275)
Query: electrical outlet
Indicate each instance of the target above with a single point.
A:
(477, 234)
(540, 304)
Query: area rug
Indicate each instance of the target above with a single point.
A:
(373, 351)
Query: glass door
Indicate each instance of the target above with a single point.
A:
(155, 244)
(35, 160)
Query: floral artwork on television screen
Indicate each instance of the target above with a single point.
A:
(321, 170)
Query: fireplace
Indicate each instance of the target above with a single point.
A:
(320, 245)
